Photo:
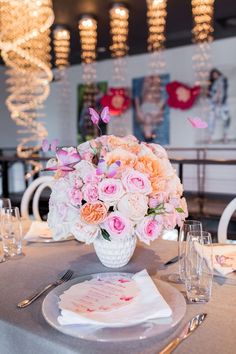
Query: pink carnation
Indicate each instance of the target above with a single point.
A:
(76, 196)
(90, 193)
(148, 229)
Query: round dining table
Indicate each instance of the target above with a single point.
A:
(25, 331)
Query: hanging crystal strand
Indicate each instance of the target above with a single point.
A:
(25, 49)
(203, 13)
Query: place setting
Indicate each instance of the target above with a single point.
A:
(111, 214)
(117, 177)
(39, 231)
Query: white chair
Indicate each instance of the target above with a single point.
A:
(224, 222)
(35, 189)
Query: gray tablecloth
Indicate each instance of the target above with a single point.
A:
(24, 331)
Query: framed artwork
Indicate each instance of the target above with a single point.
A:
(220, 108)
(89, 96)
(151, 113)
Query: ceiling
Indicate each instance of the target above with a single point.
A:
(178, 28)
(179, 23)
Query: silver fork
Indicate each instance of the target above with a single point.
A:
(63, 279)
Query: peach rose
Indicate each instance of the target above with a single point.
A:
(128, 143)
(126, 158)
(149, 165)
(93, 213)
(158, 185)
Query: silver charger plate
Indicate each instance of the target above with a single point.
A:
(144, 330)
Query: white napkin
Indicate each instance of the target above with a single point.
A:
(149, 304)
(38, 229)
(224, 258)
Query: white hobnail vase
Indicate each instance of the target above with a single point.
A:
(115, 253)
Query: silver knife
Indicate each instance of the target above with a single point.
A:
(188, 329)
(173, 260)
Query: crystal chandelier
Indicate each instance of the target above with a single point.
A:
(203, 13)
(61, 44)
(88, 44)
(25, 48)
(156, 20)
(119, 29)
(119, 16)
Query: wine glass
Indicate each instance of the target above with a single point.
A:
(188, 225)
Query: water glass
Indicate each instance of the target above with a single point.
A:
(198, 266)
(11, 231)
(2, 256)
(5, 203)
(188, 225)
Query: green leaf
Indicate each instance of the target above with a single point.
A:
(160, 206)
(105, 235)
(180, 210)
(156, 211)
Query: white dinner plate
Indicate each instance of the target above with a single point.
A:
(47, 239)
(144, 330)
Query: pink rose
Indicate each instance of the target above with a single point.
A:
(148, 229)
(110, 190)
(169, 221)
(117, 225)
(136, 182)
(90, 193)
(153, 203)
(169, 208)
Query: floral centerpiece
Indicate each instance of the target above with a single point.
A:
(110, 191)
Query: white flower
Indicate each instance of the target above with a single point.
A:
(84, 232)
(60, 190)
(133, 205)
(85, 168)
(110, 190)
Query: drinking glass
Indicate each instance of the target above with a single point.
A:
(198, 266)
(11, 231)
(5, 203)
(188, 225)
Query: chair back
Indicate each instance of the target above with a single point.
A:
(224, 222)
(35, 189)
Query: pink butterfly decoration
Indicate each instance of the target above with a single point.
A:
(66, 161)
(198, 123)
(95, 118)
(53, 146)
(109, 171)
